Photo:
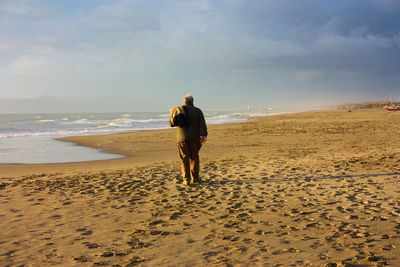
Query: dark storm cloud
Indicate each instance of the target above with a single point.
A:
(307, 19)
(342, 35)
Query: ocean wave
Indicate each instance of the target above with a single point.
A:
(80, 121)
(45, 121)
(150, 121)
(223, 119)
(63, 133)
(123, 122)
(9, 152)
(119, 122)
(40, 134)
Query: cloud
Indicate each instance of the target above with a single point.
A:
(70, 43)
(120, 20)
(16, 7)
(306, 19)
(337, 43)
(26, 65)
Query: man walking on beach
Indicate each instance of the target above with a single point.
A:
(190, 138)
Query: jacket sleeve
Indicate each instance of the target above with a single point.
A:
(171, 115)
(203, 126)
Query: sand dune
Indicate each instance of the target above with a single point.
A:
(309, 189)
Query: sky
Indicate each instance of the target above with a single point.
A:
(144, 55)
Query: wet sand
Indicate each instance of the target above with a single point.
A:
(310, 189)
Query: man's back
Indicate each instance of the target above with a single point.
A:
(197, 125)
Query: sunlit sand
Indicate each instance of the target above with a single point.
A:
(307, 189)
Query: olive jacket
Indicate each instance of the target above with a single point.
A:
(197, 126)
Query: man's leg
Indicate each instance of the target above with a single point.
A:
(184, 154)
(195, 161)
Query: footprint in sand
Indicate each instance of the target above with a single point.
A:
(84, 231)
(82, 259)
(91, 245)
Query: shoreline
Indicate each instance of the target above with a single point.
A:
(137, 157)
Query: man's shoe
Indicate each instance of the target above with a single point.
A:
(185, 182)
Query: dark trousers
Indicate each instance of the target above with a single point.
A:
(189, 154)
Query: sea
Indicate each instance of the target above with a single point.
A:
(29, 138)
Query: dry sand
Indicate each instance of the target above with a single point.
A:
(309, 189)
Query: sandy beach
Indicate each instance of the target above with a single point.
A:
(317, 188)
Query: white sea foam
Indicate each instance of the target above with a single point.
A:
(81, 121)
(122, 122)
(39, 134)
(223, 119)
(45, 121)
